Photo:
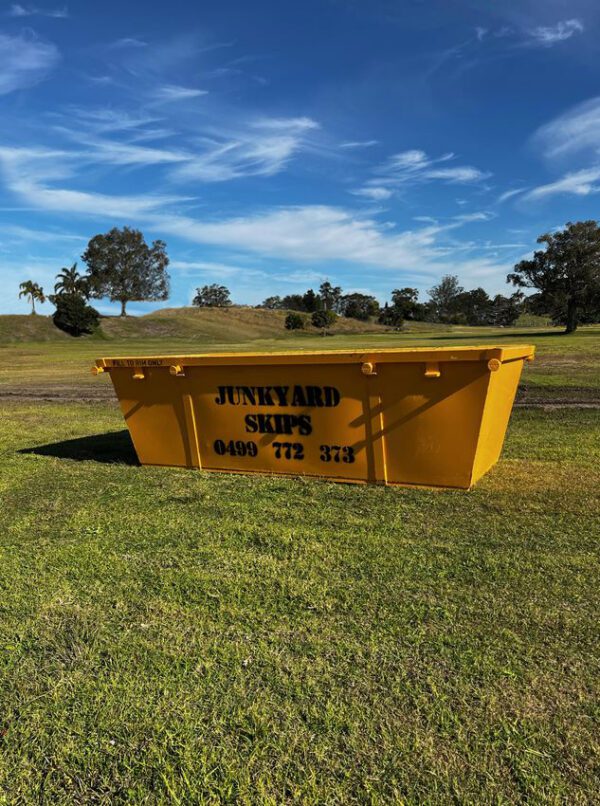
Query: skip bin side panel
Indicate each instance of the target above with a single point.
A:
(431, 424)
(302, 419)
(501, 395)
(155, 416)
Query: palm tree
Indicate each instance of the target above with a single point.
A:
(33, 291)
(71, 282)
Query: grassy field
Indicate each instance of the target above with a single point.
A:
(567, 368)
(174, 636)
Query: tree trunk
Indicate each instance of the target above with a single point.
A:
(571, 317)
(123, 304)
(32, 306)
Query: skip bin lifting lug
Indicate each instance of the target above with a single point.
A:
(138, 374)
(368, 368)
(177, 371)
(432, 369)
(97, 370)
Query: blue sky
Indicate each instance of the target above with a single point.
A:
(272, 145)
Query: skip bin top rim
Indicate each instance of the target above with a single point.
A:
(381, 355)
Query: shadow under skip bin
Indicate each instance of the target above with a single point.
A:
(113, 447)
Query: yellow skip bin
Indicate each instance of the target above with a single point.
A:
(433, 417)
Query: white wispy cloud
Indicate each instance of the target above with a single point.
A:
(508, 194)
(128, 42)
(508, 37)
(374, 193)
(359, 144)
(262, 148)
(44, 180)
(108, 119)
(323, 233)
(18, 10)
(112, 152)
(577, 183)
(576, 130)
(31, 174)
(415, 167)
(173, 92)
(29, 234)
(548, 35)
(24, 61)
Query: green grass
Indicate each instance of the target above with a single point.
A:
(237, 323)
(184, 637)
(174, 636)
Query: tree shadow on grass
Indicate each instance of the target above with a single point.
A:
(499, 335)
(114, 447)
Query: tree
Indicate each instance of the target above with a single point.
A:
(443, 296)
(212, 296)
(271, 303)
(122, 267)
(323, 320)
(390, 316)
(71, 282)
(566, 273)
(294, 321)
(330, 295)
(470, 308)
(74, 315)
(405, 302)
(358, 306)
(506, 310)
(34, 293)
(311, 301)
(293, 302)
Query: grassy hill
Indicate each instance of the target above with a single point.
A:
(235, 324)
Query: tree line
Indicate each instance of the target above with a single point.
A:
(448, 303)
(120, 266)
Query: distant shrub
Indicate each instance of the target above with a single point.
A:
(74, 315)
(294, 321)
(323, 319)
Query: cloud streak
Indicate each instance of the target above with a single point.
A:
(25, 60)
(576, 183)
(415, 167)
(549, 35)
(576, 130)
(18, 10)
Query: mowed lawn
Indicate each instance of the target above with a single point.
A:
(171, 636)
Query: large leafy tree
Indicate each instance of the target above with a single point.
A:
(33, 292)
(406, 305)
(293, 302)
(330, 295)
(566, 274)
(212, 296)
(311, 301)
(443, 297)
(71, 282)
(122, 267)
(358, 306)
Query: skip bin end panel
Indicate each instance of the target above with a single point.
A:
(155, 417)
(431, 423)
(503, 385)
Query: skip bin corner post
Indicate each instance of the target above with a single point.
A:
(181, 390)
(374, 423)
(502, 380)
